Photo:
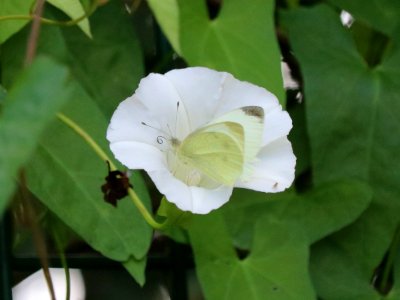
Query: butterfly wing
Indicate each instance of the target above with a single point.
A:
(251, 118)
(216, 150)
(225, 149)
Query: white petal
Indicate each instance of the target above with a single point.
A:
(274, 172)
(177, 103)
(136, 155)
(277, 124)
(236, 94)
(199, 88)
(205, 200)
(160, 97)
(126, 123)
(190, 198)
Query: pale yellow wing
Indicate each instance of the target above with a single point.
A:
(251, 118)
(216, 150)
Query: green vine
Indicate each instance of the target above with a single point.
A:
(97, 149)
(47, 21)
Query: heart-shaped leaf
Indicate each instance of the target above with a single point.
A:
(241, 40)
(73, 9)
(65, 173)
(262, 274)
(318, 212)
(353, 127)
(12, 8)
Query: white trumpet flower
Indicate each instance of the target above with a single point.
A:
(199, 133)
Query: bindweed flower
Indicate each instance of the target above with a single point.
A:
(199, 133)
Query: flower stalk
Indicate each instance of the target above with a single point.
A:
(97, 149)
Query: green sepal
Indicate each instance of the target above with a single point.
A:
(173, 214)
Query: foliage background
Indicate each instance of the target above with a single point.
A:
(333, 235)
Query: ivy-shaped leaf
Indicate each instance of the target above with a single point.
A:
(73, 9)
(276, 267)
(352, 115)
(110, 65)
(67, 176)
(64, 173)
(318, 212)
(167, 14)
(12, 8)
(241, 40)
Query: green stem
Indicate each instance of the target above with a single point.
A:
(145, 213)
(394, 247)
(88, 139)
(132, 194)
(73, 22)
(16, 17)
(64, 264)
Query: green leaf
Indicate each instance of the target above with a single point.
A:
(136, 268)
(395, 291)
(338, 275)
(73, 9)
(3, 94)
(241, 40)
(67, 176)
(352, 120)
(65, 173)
(179, 219)
(298, 136)
(167, 14)
(318, 212)
(12, 8)
(383, 15)
(12, 54)
(32, 102)
(110, 65)
(276, 267)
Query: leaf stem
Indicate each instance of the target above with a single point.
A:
(132, 194)
(37, 233)
(145, 213)
(63, 263)
(88, 139)
(47, 21)
(394, 247)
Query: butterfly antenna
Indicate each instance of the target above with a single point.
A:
(160, 138)
(176, 116)
(176, 121)
(155, 128)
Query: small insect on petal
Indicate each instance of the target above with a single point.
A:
(116, 186)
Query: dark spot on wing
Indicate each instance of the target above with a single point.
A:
(255, 111)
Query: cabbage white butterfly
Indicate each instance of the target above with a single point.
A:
(222, 149)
